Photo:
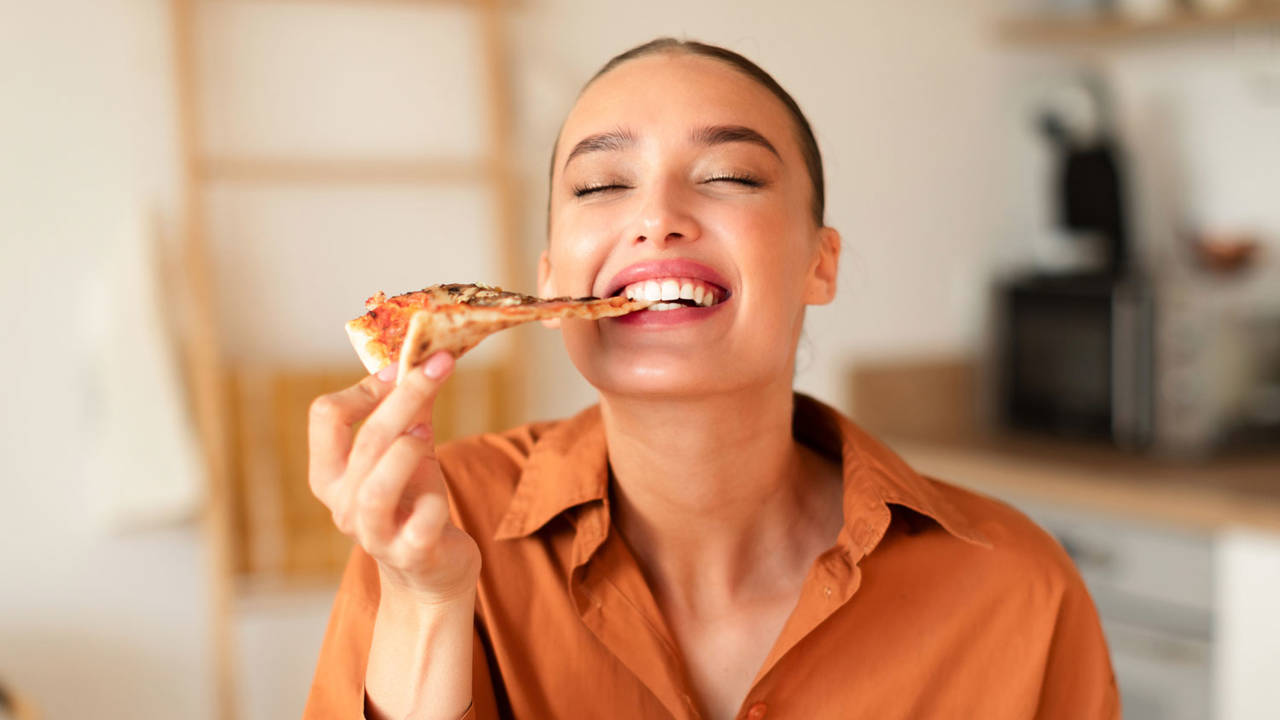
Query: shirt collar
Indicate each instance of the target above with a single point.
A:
(568, 466)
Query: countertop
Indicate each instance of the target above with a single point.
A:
(1241, 489)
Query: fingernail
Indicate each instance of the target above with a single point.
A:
(420, 431)
(387, 373)
(438, 365)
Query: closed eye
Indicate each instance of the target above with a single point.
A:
(589, 189)
(740, 179)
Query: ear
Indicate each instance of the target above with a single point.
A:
(544, 286)
(825, 268)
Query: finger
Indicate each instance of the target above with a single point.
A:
(377, 516)
(423, 528)
(407, 405)
(330, 427)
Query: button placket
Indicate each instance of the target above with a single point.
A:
(618, 609)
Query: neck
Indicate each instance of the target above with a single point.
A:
(713, 493)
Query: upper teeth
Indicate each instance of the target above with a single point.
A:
(655, 290)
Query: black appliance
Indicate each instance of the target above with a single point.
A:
(1088, 179)
(1076, 349)
(1076, 356)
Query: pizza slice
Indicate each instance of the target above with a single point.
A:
(455, 318)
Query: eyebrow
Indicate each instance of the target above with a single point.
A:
(719, 134)
(621, 139)
(613, 140)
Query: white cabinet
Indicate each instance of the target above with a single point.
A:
(1247, 604)
(1162, 676)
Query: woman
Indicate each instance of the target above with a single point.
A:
(704, 542)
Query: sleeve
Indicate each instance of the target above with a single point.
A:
(337, 689)
(1078, 679)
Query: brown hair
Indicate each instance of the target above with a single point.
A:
(804, 134)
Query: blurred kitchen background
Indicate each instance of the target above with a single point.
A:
(1061, 286)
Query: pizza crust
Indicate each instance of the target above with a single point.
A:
(366, 349)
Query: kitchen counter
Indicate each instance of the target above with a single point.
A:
(1233, 490)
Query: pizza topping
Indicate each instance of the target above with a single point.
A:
(407, 328)
(675, 292)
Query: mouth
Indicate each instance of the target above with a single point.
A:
(671, 283)
(674, 293)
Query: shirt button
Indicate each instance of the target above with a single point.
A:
(757, 711)
(827, 591)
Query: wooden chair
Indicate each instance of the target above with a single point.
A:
(280, 530)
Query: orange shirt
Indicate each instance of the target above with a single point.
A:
(933, 602)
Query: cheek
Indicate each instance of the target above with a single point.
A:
(581, 242)
(769, 247)
(575, 260)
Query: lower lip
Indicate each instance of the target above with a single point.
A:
(646, 318)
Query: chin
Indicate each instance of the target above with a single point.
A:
(652, 376)
(689, 361)
(669, 375)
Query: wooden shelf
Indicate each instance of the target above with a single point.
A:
(1112, 29)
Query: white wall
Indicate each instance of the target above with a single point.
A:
(91, 624)
(1201, 118)
(328, 81)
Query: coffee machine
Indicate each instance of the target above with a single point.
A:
(1087, 180)
(1075, 346)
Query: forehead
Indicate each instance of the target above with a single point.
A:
(671, 93)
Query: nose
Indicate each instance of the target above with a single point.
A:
(664, 216)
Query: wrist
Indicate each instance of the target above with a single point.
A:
(420, 655)
(397, 598)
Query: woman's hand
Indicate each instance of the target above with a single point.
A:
(385, 487)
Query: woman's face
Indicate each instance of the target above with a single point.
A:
(677, 173)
